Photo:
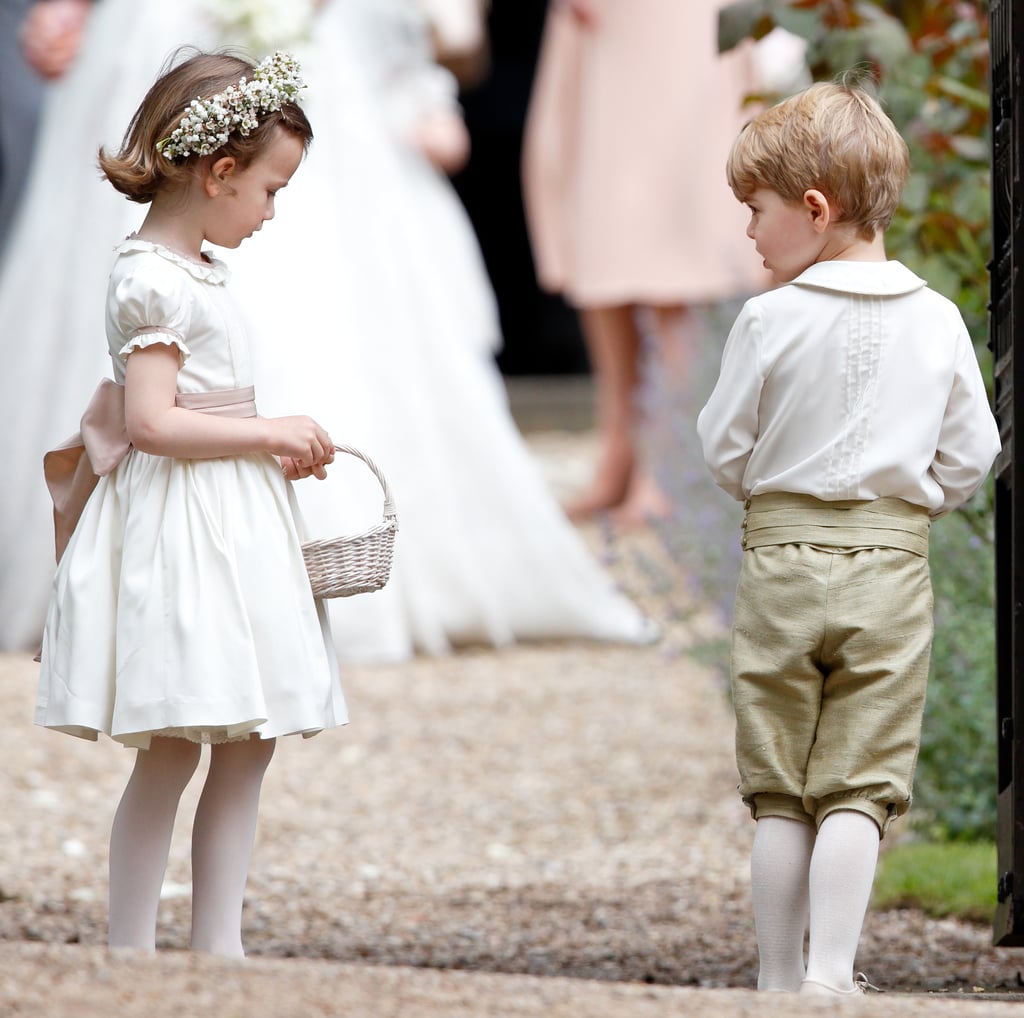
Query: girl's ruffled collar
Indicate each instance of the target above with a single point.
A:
(213, 270)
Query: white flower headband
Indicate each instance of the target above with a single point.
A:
(208, 124)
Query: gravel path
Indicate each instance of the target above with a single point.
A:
(563, 811)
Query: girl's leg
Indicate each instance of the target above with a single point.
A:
(141, 839)
(613, 345)
(222, 841)
(779, 867)
(842, 872)
(673, 332)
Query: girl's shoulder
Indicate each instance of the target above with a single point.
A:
(152, 286)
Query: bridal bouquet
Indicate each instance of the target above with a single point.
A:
(262, 25)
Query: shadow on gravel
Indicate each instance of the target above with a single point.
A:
(658, 934)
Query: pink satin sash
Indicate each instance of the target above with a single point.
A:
(73, 469)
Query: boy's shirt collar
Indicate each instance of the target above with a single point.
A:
(880, 279)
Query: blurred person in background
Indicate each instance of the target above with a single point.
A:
(390, 323)
(630, 215)
(21, 93)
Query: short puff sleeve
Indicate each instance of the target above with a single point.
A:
(151, 303)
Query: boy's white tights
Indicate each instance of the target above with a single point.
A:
(222, 839)
(779, 864)
(842, 873)
(828, 878)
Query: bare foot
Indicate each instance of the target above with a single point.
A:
(607, 490)
(590, 504)
(644, 503)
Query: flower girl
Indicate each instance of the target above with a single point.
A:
(181, 612)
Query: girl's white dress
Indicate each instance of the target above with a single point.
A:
(182, 605)
(368, 307)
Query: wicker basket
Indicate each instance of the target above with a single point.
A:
(355, 563)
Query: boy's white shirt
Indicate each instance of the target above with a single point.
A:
(853, 381)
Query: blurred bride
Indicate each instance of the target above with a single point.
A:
(369, 309)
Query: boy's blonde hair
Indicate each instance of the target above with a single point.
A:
(832, 137)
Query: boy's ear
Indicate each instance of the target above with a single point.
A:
(817, 206)
(218, 176)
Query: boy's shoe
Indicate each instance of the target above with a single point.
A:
(812, 988)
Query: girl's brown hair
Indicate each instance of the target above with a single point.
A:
(140, 172)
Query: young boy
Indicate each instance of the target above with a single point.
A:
(850, 411)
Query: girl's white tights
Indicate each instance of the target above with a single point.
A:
(796, 876)
(222, 839)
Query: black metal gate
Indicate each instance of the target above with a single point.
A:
(1006, 30)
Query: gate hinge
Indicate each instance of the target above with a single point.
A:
(1005, 886)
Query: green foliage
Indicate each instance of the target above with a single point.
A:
(941, 880)
(929, 59)
(955, 787)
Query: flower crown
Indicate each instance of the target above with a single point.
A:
(208, 123)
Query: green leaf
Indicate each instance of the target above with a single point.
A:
(842, 51)
(972, 200)
(739, 21)
(802, 22)
(941, 276)
(972, 96)
(885, 41)
(969, 147)
(916, 192)
(970, 246)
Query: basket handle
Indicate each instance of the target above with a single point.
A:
(389, 501)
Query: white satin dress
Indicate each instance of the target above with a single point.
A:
(182, 605)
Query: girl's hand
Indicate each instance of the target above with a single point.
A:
(304, 447)
(293, 470)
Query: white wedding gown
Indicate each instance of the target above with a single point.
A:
(369, 309)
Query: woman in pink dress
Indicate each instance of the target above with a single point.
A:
(631, 218)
